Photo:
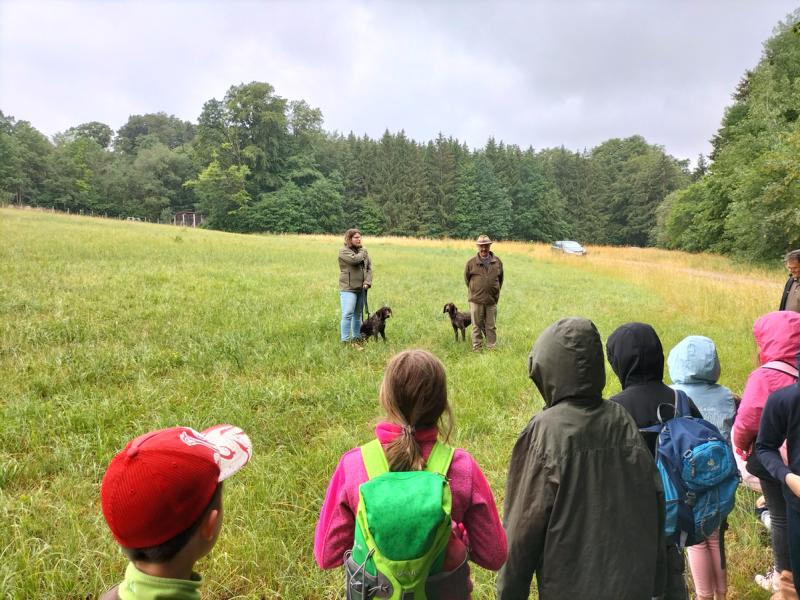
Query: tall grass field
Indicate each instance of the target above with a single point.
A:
(109, 329)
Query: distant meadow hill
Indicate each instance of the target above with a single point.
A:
(112, 328)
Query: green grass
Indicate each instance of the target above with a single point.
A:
(109, 329)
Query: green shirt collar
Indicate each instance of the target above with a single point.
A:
(140, 586)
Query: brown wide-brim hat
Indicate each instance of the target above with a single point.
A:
(483, 240)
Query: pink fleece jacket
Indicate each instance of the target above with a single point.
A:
(473, 504)
(778, 337)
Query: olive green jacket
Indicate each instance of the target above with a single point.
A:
(355, 269)
(484, 283)
(583, 505)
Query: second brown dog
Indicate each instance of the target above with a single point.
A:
(459, 320)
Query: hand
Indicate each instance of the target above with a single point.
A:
(366, 286)
(793, 483)
(460, 532)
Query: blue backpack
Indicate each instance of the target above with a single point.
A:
(698, 472)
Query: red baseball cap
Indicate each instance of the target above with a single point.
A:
(161, 483)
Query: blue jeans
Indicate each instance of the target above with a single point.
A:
(352, 304)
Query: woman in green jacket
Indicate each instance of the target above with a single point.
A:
(355, 278)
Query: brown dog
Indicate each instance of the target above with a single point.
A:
(459, 320)
(376, 324)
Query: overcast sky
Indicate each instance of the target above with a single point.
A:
(540, 73)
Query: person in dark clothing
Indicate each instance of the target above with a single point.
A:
(483, 275)
(780, 421)
(584, 503)
(637, 358)
(790, 300)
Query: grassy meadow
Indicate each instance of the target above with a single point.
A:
(109, 329)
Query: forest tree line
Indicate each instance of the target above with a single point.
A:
(748, 203)
(256, 162)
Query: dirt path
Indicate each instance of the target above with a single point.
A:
(701, 273)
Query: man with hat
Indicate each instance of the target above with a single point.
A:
(484, 278)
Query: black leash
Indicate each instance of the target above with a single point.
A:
(365, 306)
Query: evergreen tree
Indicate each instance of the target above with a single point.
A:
(442, 159)
(467, 220)
(539, 211)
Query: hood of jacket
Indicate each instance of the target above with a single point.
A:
(694, 360)
(635, 354)
(566, 363)
(778, 336)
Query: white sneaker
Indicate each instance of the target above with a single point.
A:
(768, 581)
(765, 520)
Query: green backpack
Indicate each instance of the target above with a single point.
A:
(403, 526)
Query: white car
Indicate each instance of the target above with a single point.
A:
(569, 247)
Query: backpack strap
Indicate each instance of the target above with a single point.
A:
(682, 404)
(374, 459)
(779, 365)
(680, 409)
(376, 464)
(440, 458)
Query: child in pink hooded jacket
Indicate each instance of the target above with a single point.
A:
(777, 335)
(414, 396)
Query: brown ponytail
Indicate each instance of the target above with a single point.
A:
(414, 395)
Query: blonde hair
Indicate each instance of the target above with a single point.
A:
(414, 395)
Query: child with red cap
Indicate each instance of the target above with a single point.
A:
(162, 499)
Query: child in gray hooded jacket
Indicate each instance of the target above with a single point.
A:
(694, 368)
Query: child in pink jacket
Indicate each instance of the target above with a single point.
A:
(777, 335)
(413, 395)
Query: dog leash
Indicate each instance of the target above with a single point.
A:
(365, 306)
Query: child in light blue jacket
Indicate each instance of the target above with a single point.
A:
(694, 368)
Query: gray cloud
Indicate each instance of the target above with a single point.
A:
(541, 74)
